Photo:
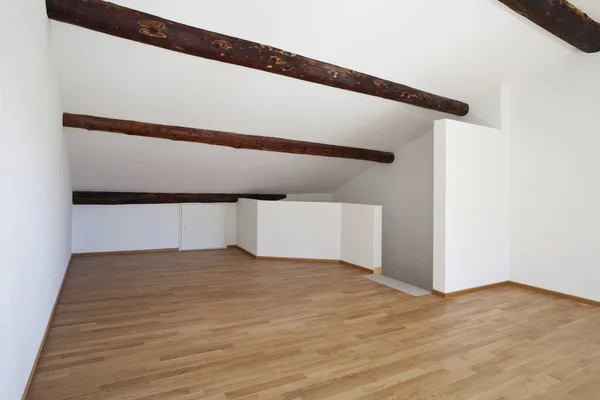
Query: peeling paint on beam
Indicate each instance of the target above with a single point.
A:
(562, 19)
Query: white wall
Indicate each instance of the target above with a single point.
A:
(487, 107)
(247, 224)
(439, 209)
(35, 191)
(299, 230)
(361, 235)
(405, 190)
(231, 229)
(203, 226)
(555, 212)
(328, 231)
(318, 197)
(471, 189)
(98, 228)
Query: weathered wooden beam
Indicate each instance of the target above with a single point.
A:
(235, 140)
(109, 198)
(145, 28)
(562, 19)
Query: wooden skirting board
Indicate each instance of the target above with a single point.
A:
(471, 290)
(516, 284)
(234, 246)
(374, 270)
(109, 253)
(39, 353)
(321, 260)
(559, 294)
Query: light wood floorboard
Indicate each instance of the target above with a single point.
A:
(222, 325)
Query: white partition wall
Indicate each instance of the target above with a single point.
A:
(307, 230)
(100, 228)
(299, 230)
(231, 221)
(323, 231)
(105, 228)
(203, 227)
(471, 206)
(247, 224)
(361, 235)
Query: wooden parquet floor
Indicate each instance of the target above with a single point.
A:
(221, 325)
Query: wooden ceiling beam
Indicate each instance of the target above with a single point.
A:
(562, 19)
(217, 138)
(112, 198)
(150, 29)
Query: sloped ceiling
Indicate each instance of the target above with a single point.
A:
(452, 48)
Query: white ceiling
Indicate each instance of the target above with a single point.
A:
(452, 48)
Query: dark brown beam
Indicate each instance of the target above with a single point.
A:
(162, 198)
(145, 28)
(562, 19)
(218, 138)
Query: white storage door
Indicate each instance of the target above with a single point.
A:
(203, 226)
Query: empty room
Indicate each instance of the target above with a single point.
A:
(263, 199)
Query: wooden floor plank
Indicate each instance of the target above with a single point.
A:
(222, 325)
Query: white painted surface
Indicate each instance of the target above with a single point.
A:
(405, 190)
(231, 236)
(145, 86)
(203, 226)
(486, 108)
(377, 236)
(314, 197)
(35, 191)
(98, 228)
(555, 213)
(103, 161)
(331, 231)
(361, 235)
(474, 186)
(247, 225)
(439, 209)
(299, 230)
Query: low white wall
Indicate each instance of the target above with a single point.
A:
(471, 208)
(231, 228)
(326, 231)
(99, 228)
(361, 235)
(299, 230)
(103, 228)
(332, 231)
(203, 226)
(247, 224)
